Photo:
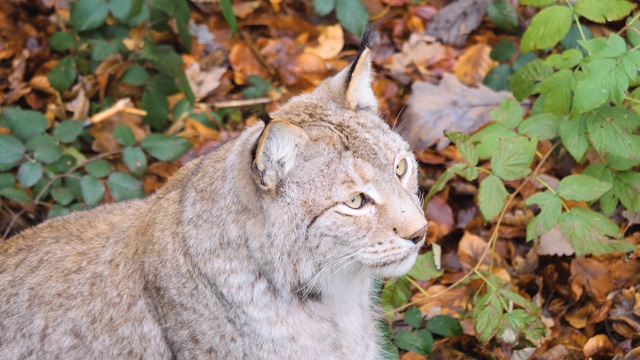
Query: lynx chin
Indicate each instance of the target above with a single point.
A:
(266, 248)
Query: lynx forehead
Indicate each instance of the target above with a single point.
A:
(265, 248)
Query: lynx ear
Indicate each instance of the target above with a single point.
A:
(359, 92)
(276, 152)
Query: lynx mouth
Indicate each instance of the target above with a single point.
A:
(390, 260)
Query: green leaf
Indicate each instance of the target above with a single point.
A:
(537, 2)
(102, 49)
(11, 149)
(182, 16)
(503, 50)
(122, 10)
(550, 208)
(419, 341)
(155, 103)
(633, 32)
(425, 268)
(124, 135)
(16, 195)
(324, 7)
(543, 126)
(29, 174)
(559, 88)
(582, 188)
(567, 60)
(58, 210)
(610, 131)
(62, 41)
(66, 163)
(47, 153)
(589, 232)
(497, 78)
(486, 315)
(229, 16)
(509, 113)
(6, 181)
(88, 14)
(503, 15)
(465, 146)
(68, 131)
(260, 87)
(603, 81)
(602, 11)
(24, 124)
(124, 186)
(63, 75)
(92, 190)
(395, 293)
(573, 132)
(523, 322)
(627, 189)
(352, 15)
(490, 137)
(165, 147)
(98, 168)
(442, 181)
(62, 195)
(167, 6)
(574, 35)
(492, 196)
(546, 29)
(444, 325)
(135, 75)
(527, 80)
(135, 160)
(413, 317)
(513, 158)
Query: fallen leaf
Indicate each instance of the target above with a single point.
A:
(416, 51)
(204, 82)
(553, 242)
(470, 250)
(590, 276)
(330, 42)
(450, 106)
(578, 319)
(599, 344)
(474, 64)
(244, 63)
(454, 22)
(440, 215)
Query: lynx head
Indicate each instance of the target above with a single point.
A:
(332, 172)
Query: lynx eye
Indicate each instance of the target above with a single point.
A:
(356, 201)
(401, 168)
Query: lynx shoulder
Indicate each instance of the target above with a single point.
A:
(265, 248)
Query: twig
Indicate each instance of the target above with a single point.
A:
(240, 103)
(120, 106)
(247, 39)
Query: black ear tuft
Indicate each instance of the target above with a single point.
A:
(263, 116)
(367, 34)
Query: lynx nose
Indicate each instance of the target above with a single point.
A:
(418, 235)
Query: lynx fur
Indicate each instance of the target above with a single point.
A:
(266, 248)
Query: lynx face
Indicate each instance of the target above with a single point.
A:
(355, 179)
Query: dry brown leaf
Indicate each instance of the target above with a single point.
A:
(599, 344)
(474, 64)
(451, 106)
(578, 319)
(440, 215)
(243, 9)
(330, 42)
(553, 242)
(244, 63)
(590, 276)
(417, 51)
(203, 83)
(470, 250)
(454, 22)
(412, 356)
(451, 303)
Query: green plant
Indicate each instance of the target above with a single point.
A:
(49, 166)
(154, 67)
(585, 102)
(351, 14)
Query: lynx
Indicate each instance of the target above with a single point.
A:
(266, 248)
